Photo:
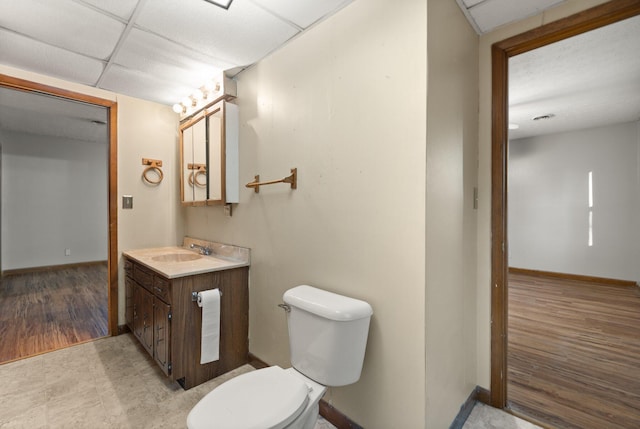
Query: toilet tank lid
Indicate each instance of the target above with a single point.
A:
(327, 304)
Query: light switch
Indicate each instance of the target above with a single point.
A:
(127, 201)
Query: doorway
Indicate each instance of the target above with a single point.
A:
(108, 222)
(501, 52)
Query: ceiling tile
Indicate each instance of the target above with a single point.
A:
(167, 60)
(27, 54)
(303, 13)
(64, 24)
(241, 35)
(494, 13)
(120, 8)
(143, 85)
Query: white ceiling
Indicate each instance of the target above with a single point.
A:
(33, 113)
(586, 81)
(486, 15)
(161, 50)
(158, 50)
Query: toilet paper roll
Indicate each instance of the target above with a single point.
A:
(209, 301)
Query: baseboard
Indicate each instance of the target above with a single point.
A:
(327, 411)
(335, 417)
(256, 362)
(51, 268)
(483, 395)
(123, 329)
(479, 394)
(591, 279)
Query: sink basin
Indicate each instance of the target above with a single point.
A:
(177, 257)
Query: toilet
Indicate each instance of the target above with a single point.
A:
(327, 338)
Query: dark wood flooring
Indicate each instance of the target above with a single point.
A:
(574, 352)
(48, 310)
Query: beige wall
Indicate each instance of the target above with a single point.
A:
(345, 103)
(452, 129)
(484, 173)
(149, 130)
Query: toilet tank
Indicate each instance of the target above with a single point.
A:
(327, 334)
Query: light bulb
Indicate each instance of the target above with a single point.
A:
(197, 95)
(178, 108)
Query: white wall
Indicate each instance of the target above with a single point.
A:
(54, 197)
(549, 202)
(483, 277)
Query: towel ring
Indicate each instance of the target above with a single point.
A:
(193, 178)
(157, 170)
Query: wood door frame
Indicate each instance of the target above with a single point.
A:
(112, 107)
(590, 19)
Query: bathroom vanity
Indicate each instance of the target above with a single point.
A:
(162, 314)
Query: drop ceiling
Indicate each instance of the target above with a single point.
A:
(161, 50)
(487, 15)
(158, 50)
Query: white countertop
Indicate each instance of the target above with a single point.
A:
(173, 262)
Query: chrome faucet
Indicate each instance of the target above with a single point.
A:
(203, 250)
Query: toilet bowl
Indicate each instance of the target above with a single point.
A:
(327, 338)
(268, 398)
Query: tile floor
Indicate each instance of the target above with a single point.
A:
(113, 383)
(485, 417)
(108, 383)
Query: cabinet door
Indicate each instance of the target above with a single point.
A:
(129, 302)
(146, 314)
(162, 335)
(138, 325)
(209, 156)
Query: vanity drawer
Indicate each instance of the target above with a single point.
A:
(161, 288)
(143, 276)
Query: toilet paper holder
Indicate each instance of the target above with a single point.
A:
(194, 296)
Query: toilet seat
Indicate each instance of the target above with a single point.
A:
(268, 398)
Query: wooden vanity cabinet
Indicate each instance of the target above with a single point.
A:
(163, 317)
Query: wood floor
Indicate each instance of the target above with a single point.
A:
(47, 310)
(574, 352)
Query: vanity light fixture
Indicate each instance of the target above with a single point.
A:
(199, 97)
(220, 3)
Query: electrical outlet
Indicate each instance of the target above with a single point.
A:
(227, 210)
(67, 252)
